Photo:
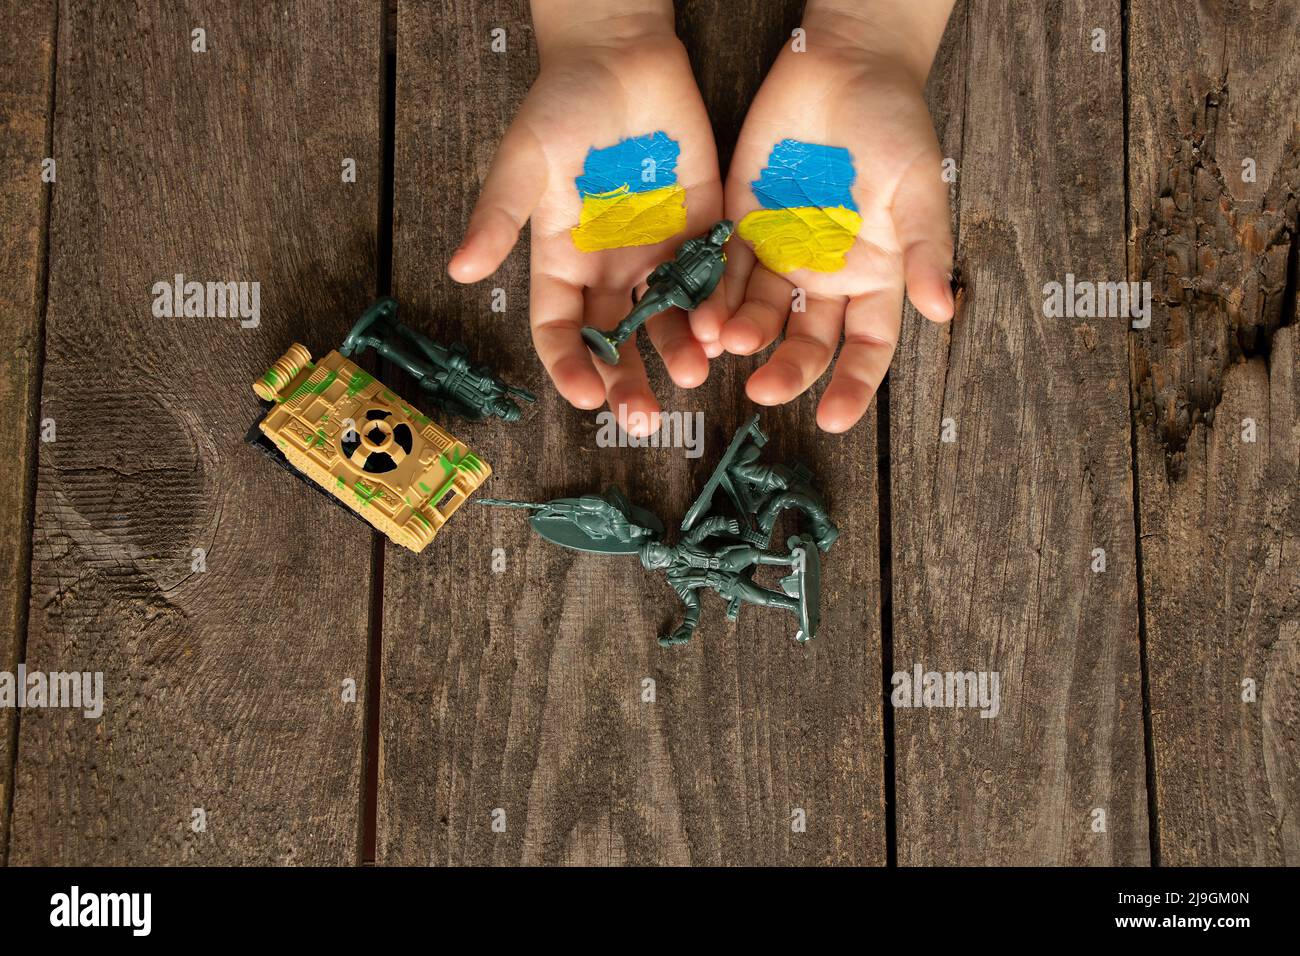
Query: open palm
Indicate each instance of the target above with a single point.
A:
(902, 240)
(595, 98)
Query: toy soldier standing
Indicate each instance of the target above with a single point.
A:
(683, 282)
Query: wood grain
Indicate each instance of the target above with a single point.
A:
(223, 689)
(993, 532)
(522, 690)
(1213, 91)
(26, 60)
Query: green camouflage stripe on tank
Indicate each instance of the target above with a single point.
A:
(359, 380)
(366, 494)
(306, 388)
(452, 466)
(418, 417)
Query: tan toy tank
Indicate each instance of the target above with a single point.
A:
(346, 432)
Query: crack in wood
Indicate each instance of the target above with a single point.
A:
(1223, 278)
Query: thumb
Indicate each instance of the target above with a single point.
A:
(921, 218)
(511, 192)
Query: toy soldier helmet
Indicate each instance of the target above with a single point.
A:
(656, 555)
(721, 231)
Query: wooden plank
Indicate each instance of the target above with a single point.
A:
(26, 61)
(993, 532)
(522, 690)
(222, 689)
(1213, 94)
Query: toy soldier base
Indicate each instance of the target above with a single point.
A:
(456, 385)
(681, 283)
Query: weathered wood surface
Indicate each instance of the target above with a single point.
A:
(26, 61)
(522, 690)
(993, 532)
(1213, 93)
(223, 689)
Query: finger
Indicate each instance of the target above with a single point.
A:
(626, 387)
(707, 321)
(761, 316)
(684, 357)
(871, 324)
(805, 353)
(740, 266)
(511, 192)
(921, 219)
(556, 308)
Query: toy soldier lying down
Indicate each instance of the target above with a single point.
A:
(691, 565)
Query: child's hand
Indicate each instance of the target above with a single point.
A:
(839, 113)
(606, 78)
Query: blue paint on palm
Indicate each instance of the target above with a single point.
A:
(801, 175)
(624, 164)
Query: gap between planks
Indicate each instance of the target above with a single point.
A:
(383, 287)
(37, 371)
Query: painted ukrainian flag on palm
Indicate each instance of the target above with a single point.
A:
(809, 219)
(630, 195)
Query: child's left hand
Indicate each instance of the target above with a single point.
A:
(851, 265)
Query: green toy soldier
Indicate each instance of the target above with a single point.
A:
(727, 569)
(601, 524)
(764, 479)
(761, 491)
(446, 374)
(683, 282)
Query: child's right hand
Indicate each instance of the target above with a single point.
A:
(607, 76)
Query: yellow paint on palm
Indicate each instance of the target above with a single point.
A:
(803, 238)
(621, 217)
(630, 195)
(809, 219)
